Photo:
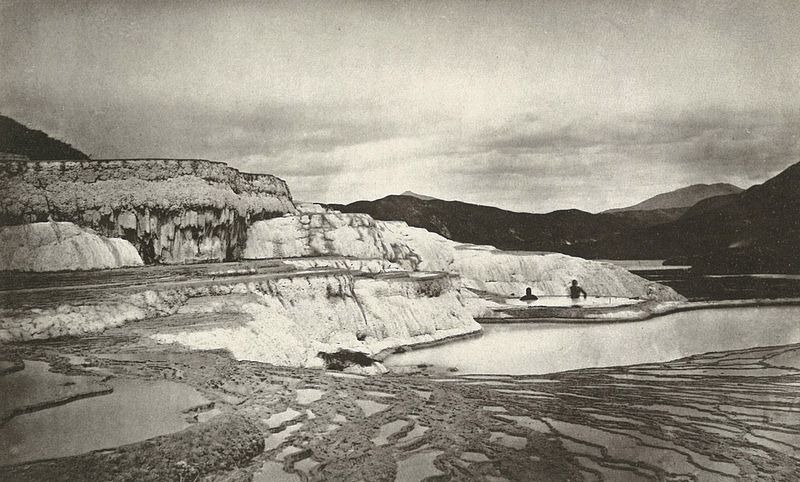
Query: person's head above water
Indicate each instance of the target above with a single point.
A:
(527, 291)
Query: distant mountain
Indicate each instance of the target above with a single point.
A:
(474, 223)
(18, 140)
(681, 198)
(418, 196)
(757, 230)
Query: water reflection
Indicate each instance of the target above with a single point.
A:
(521, 348)
(136, 410)
(595, 301)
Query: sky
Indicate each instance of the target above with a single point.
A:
(528, 106)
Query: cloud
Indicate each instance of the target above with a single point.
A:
(530, 163)
(135, 128)
(528, 132)
(538, 138)
(528, 106)
(707, 138)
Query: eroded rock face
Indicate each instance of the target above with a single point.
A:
(294, 320)
(486, 268)
(61, 246)
(172, 211)
(285, 318)
(482, 268)
(365, 265)
(323, 234)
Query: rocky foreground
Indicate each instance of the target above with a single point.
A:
(719, 416)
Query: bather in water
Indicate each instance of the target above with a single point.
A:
(575, 292)
(528, 296)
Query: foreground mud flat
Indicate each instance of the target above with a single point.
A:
(203, 415)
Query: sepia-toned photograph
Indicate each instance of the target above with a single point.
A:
(385, 240)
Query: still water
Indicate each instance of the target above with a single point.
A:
(561, 301)
(538, 348)
(136, 410)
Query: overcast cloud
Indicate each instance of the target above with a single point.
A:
(530, 106)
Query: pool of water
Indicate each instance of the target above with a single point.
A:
(136, 410)
(539, 348)
(642, 264)
(593, 301)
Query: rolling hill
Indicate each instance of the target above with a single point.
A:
(681, 198)
(19, 140)
(508, 230)
(418, 196)
(757, 230)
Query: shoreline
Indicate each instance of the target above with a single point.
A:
(646, 311)
(639, 312)
(266, 422)
(387, 352)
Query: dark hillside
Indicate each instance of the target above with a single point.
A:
(474, 223)
(17, 139)
(682, 198)
(757, 230)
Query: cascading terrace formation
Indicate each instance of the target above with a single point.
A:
(171, 210)
(307, 287)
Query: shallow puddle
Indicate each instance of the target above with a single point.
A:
(308, 395)
(207, 415)
(369, 407)
(496, 383)
(387, 430)
(422, 394)
(648, 450)
(510, 441)
(474, 457)
(36, 385)
(582, 448)
(415, 433)
(786, 360)
(378, 394)
(611, 473)
(276, 439)
(527, 422)
(306, 465)
(136, 410)
(418, 466)
(273, 472)
(532, 393)
(277, 419)
(791, 439)
(772, 444)
(287, 452)
(612, 418)
(344, 375)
